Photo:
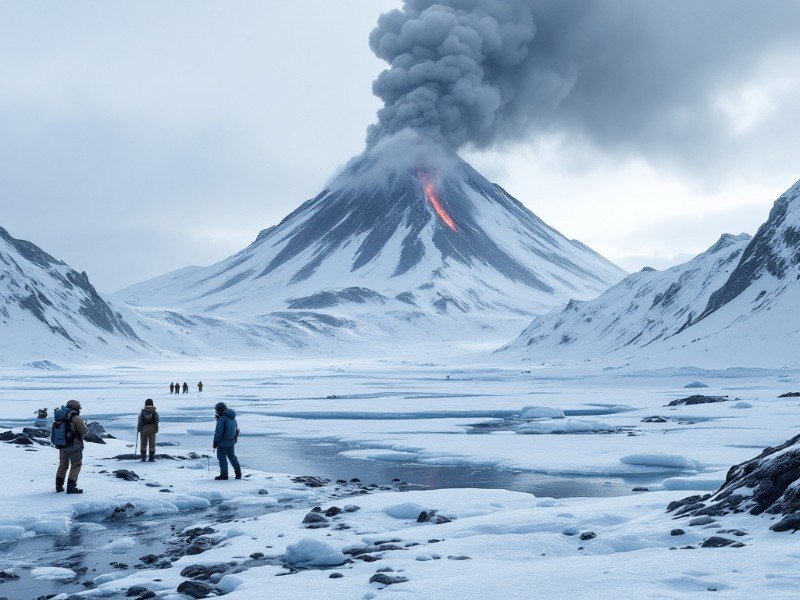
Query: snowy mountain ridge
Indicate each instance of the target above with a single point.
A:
(47, 305)
(735, 302)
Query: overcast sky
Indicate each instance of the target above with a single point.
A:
(137, 137)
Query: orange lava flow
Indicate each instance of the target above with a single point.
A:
(430, 194)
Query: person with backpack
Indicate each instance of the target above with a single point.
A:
(199, 387)
(171, 388)
(147, 428)
(185, 388)
(67, 435)
(225, 437)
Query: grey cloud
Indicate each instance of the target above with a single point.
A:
(643, 78)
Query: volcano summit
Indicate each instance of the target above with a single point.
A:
(407, 233)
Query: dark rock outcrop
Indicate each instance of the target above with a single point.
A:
(698, 399)
(762, 485)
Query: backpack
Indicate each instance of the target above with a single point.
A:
(61, 434)
(148, 417)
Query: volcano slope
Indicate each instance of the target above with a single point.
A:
(408, 241)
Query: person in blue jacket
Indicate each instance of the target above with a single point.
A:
(225, 437)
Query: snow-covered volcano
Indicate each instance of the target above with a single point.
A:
(735, 304)
(405, 231)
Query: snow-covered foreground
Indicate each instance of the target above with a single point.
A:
(496, 542)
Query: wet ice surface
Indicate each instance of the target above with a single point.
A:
(82, 549)
(415, 425)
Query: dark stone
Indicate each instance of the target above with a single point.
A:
(385, 570)
(676, 504)
(135, 591)
(204, 572)
(655, 419)
(257, 555)
(369, 557)
(199, 546)
(333, 511)
(311, 481)
(640, 489)
(93, 438)
(7, 436)
(149, 559)
(790, 395)
(335, 575)
(22, 440)
(196, 589)
(716, 541)
(35, 432)
(701, 521)
(314, 518)
(588, 535)
(698, 399)
(677, 532)
(459, 557)
(384, 579)
(126, 475)
(8, 576)
(119, 565)
(351, 508)
(788, 522)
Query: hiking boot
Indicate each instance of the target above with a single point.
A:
(143, 459)
(59, 484)
(221, 478)
(72, 487)
(152, 458)
(238, 474)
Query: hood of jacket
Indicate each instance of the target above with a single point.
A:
(229, 413)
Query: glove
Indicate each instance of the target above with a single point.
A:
(214, 445)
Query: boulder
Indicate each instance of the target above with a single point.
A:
(196, 589)
(126, 475)
(384, 579)
(765, 484)
(698, 399)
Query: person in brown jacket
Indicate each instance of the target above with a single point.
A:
(70, 458)
(147, 428)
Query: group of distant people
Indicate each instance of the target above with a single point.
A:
(175, 388)
(69, 429)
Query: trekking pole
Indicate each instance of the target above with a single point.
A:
(136, 443)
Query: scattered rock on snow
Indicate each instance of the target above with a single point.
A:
(698, 399)
(205, 572)
(654, 419)
(677, 532)
(716, 541)
(315, 520)
(588, 535)
(790, 395)
(384, 579)
(196, 589)
(126, 475)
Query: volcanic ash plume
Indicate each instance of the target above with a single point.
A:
(461, 71)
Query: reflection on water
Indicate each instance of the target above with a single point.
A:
(323, 459)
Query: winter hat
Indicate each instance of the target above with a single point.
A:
(220, 407)
(74, 405)
(148, 402)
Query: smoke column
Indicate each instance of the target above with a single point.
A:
(460, 71)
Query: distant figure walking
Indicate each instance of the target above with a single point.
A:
(67, 435)
(147, 428)
(171, 388)
(177, 388)
(225, 437)
(185, 388)
(200, 387)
